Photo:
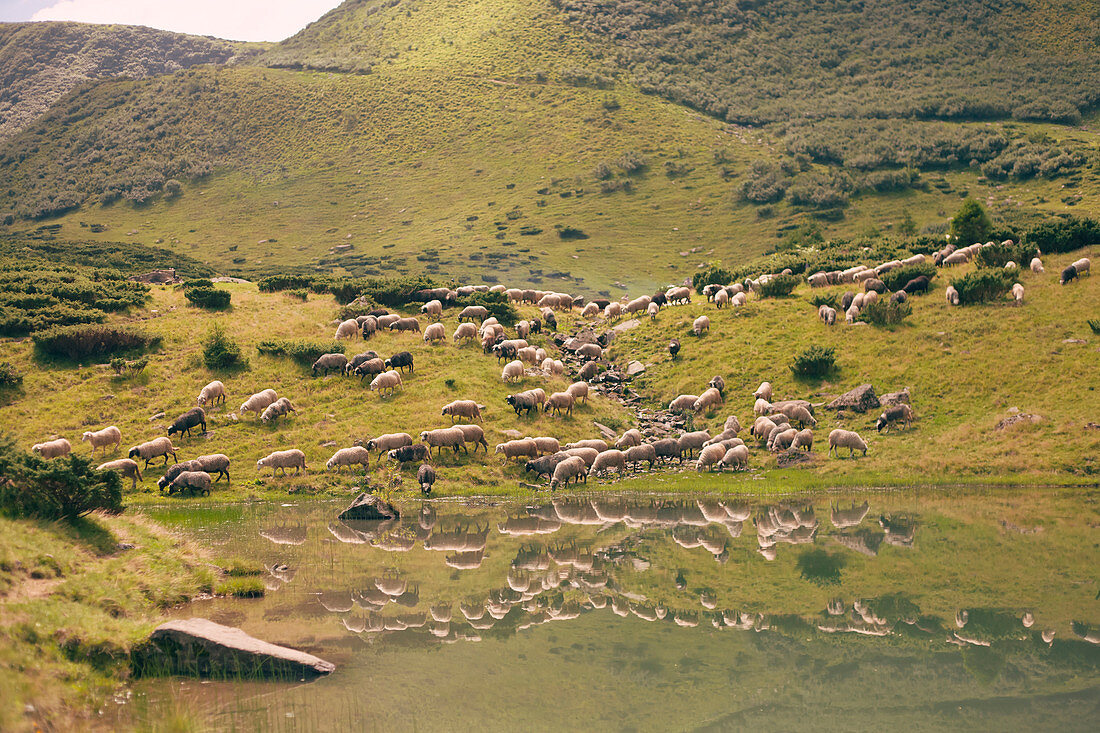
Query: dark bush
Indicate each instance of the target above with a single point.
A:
(496, 303)
(895, 279)
(220, 351)
(570, 232)
(1094, 324)
(302, 351)
(1064, 234)
(884, 312)
(200, 282)
(999, 255)
(983, 285)
(814, 362)
(82, 341)
(9, 375)
(971, 224)
(209, 298)
(713, 275)
(276, 283)
(361, 306)
(61, 488)
(829, 299)
(779, 286)
(765, 184)
(299, 294)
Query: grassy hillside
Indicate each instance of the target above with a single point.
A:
(42, 62)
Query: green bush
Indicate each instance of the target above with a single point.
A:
(496, 303)
(971, 223)
(780, 285)
(713, 275)
(277, 283)
(895, 279)
(983, 285)
(61, 488)
(302, 351)
(209, 298)
(82, 341)
(1094, 324)
(885, 313)
(121, 366)
(820, 299)
(1064, 234)
(9, 375)
(814, 362)
(299, 294)
(200, 282)
(361, 306)
(999, 255)
(220, 351)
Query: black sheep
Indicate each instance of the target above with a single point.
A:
(400, 360)
(536, 325)
(601, 303)
(545, 465)
(505, 351)
(846, 301)
(919, 284)
(551, 322)
(674, 347)
(186, 421)
(660, 299)
(1068, 274)
(408, 453)
(668, 448)
(899, 297)
(425, 476)
(522, 401)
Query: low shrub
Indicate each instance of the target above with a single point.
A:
(779, 286)
(87, 340)
(302, 351)
(241, 587)
(982, 286)
(813, 363)
(9, 375)
(713, 275)
(61, 488)
(570, 232)
(820, 299)
(1064, 234)
(895, 279)
(496, 303)
(1094, 324)
(998, 255)
(198, 283)
(220, 350)
(883, 312)
(209, 298)
(277, 283)
(299, 294)
(122, 366)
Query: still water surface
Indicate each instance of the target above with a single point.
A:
(937, 611)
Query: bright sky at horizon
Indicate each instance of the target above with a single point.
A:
(237, 20)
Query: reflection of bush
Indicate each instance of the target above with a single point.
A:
(820, 567)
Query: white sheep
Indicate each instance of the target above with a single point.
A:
(612, 311)
(804, 439)
(846, 439)
(590, 311)
(523, 448)
(434, 333)
(465, 332)
(258, 402)
(653, 309)
(683, 403)
(736, 456)
(214, 463)
(468, 409)
(571, 468)
(579, 390)
(638, 304)
(283, 459)
(952, 295)
(1082, 266)
(103, 438)
(154, 449)
(546, 445)
(732, 423)
(389, 441)
(559, 401)
(512, 372)
(700, 326)
(711, 397)
(1037, 266)
(279, 408)
(763, 392)
(386, 382)
(523, 329)
(782, 439)
(709, 456)
(588, 455)
(348, 329)
(679, 294)
(528, 355)
(127, 467)
(1018, 293)
(608, 460)
(214, 393)
(553, 366)
(349, 457)
(433, 309)
(193, 481)
(721, 298)
(629, 439)
(442, 438)
(761, 407)
(595, 443)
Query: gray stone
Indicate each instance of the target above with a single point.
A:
(606, 432)
(202, 648)
(1022, 418)
(635, 368)
(369, 506)
(626, 326)
(860, 399)
(891, 399)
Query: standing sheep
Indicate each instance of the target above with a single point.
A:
(474, 434)
(711, 397)
(465, 332)
(846, 439)
(406, 324)
(399, 361)
(673, 348)
(1037, 266)
(349, 457)
(126, 467)
(192, 481)
(388, 442)
(433, 309)
(763, 392)
(154, 449)
(737, 457)
(214, 393)
(951, 295)
(691, 442)
(1082, 266)
(1069, 274)
(468, 409)
(473, 313)
(700, 326)
(524, 448)
(409, 453)
(1018, 293)
(103, 438)
(899, 413)
(721, 298)
(683, 403)
(441, 438)
(258, 402)
(635, 454)
(653, 309)
(434, 333)
(710, 456)
(579, 390)
(369, 368)
(512, 372)
(358, 360)
(559, 401)
(279, 408)
(195, 417)
(571, 468)
(803, 439)
(329, 362)
(348, 329)
(425, 476)
(386, 382)
(283, 459)
(608, 460)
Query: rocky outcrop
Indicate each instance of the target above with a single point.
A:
(860, 399)
(369, 507)
(201, 648)
(892, 399)
(157, 277)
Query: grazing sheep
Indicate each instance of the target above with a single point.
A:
(126, 467)
(678, 295)
(1082, 266)
(596, 443)
(732, 423)
(258, 402)
(329, 363)
(512, 372)
(846, 439)
(283, 459)
(653, 309)
(354, 363)
(919, 284)
(468, 409)
(590, 352)
(951, 295)
(899, 413)
(588, 455)
(1018, 293)
(425, 476)
(175, 470)
(474, 313)
(191, 481)
(388, 442)
(1068, 275)
(847, 300)
(667, 448)
(432, 309)
(797, 414)
(349, 457)
(761, 407)
(559, 401)
(700, 326)
(763, 392)
(804, 440)
(775, 432)
(386, 382)
(214, 393)
(406, 324)
(590, 311)
(590, 370)
(709, 456)
(368, 325)
(635, 454)
(955, 258)
(523, 448)
(874, 285)
(899, 297)
(738, 299)
(400, 361)
(409, 453)
(195, 417)
(348, 329)
(553, 366)
(691, 442)
(726, 436)
(103, 438)
(473, 434)
(674, 347)
(570, 468)
(761, 427)
(736, 457)
(859, 301)
(612, 311)
(434, 333)
(441, 438)
(869, 298)
(278, 408)
(711, 397)
(608, 460)
(782, 440)
(546, 445)
(683, 403)
(1037, 266)
(638, 304)
(465, 332)
(214, 463)
(154, 449)
(630, 438)
(524, 401)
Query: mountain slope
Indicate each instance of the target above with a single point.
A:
(42, 62)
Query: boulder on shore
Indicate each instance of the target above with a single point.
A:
(202, 648)
(368, 506)
(860, 399)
